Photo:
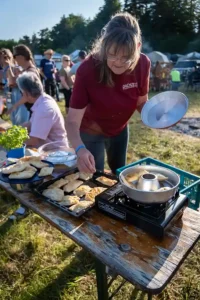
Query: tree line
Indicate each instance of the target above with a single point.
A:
(167, 25)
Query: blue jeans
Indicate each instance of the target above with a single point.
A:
(175, 86)
(115, 147)
(21, 114)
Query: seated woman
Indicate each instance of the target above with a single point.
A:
(46, 124)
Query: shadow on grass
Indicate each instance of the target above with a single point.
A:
(80, 265)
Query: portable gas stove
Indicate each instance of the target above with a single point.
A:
(152, 218)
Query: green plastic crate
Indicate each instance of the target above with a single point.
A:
(189, 183)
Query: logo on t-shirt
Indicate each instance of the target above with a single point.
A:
(130, 85)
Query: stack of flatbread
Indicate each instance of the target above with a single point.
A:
(26, 168)
(81, 195)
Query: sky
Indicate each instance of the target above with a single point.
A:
(25, 17)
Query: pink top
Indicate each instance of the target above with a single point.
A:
(47, 122)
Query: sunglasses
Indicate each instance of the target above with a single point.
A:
(67, 60)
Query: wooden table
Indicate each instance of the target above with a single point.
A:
(147, 263)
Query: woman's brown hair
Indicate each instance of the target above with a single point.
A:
(121, 32)
(24, 51)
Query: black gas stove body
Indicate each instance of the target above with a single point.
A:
(152, 218)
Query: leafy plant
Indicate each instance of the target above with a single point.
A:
(14, 137)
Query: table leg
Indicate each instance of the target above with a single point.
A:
(101, 278)
(150, 297)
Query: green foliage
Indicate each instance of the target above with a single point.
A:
(14, 137)
(167, 25)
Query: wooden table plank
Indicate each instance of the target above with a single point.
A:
(150, 264)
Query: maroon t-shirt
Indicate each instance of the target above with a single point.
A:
(108, 108)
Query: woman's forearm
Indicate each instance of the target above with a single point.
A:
(73, 134)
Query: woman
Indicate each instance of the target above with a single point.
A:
(24, 58)
(66, 82)
(11, 91)
(110, 85)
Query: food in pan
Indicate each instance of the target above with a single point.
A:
(35, 161)
(45, 171)
(82, 190)
(161, 177)
(25, 174)
(54, 194)
(80, 206)
(69, 200)
(39, 164)
(135, 176)
(18, 167)
(71, 186)
(72, 177)
(165, 188)
(93, 193)
(106, 181)
(58, 183)
(85, 176)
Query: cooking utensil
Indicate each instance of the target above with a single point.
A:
(151, 196)
(148, 182)
(164, 109)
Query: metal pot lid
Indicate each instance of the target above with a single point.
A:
(164, 110)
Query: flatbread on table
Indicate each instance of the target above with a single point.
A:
(82, 190)
(69, 200)
(29, 172)
(72, 177)
(106, 181)
(93, 193)
(58, 183)
(54, 194)
(46, 171)
(85, 176)
(38, 164)
(71, 186)
(80, 206)
(18, 167)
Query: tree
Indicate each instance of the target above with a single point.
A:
(26, 40)
(67, 30)
(167, 25)
(94, 27)
(45, 41)
(9, 44)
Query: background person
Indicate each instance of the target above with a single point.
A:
(110, 85)
(12, 93)
(66, 81)
(176, 79)
(47, 123)
(81, 57)
(48, 70)
(24, 58)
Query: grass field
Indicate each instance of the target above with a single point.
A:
(38, 262)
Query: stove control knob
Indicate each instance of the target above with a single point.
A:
(125, 247)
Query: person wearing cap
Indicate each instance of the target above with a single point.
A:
(48, 70)
(110, 85)
(66, 81)
(81, 57)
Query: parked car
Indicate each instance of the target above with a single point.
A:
(185, 66)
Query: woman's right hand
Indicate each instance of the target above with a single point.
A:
(85, 161)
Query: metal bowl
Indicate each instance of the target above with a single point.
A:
(58, 153)
(150, 197)
(148, 182)
(164, 110)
